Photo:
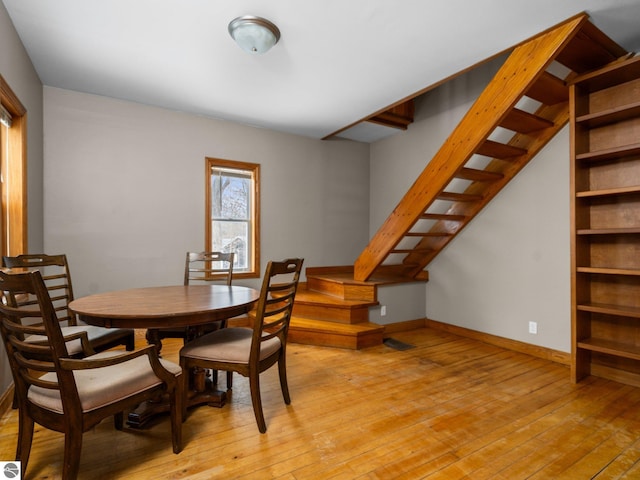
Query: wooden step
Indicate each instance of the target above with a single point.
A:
(330, 334)
(524, 122)
(429, 234)
(549, 90)
(321, 306)
(476, 175)
(339, 282)
(489, 148)
(458, 197)
(332, 309)
(443, 216)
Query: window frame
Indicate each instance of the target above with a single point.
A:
(253, 270)
(13, 206)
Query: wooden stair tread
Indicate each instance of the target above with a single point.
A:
(524, 122)
(459, 197)
(381, 278)
(489, 148)
(476, 175)
(549, 89)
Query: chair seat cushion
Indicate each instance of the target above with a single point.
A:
(231, 345)
(97, 335)
(101, 386)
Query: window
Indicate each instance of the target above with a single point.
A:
(233, 214)
(13, 173)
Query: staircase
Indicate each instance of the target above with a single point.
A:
(332, 309)
(518, 113)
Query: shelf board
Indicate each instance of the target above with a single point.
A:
(609, 192)
(610, 153)
(609, 271)
(608, 231)
(612, 115)
(610, 348)
(618, 310)
(609, 76)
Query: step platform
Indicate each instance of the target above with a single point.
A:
(330, 334)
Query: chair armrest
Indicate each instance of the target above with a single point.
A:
(150, 351)
(89, 363)
(87, 348)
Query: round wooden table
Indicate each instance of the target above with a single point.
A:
(160, 307)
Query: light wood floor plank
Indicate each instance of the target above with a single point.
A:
(448, 408)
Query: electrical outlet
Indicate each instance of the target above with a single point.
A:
(533, 327)
(383, 310)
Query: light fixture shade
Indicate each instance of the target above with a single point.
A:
(254, 34)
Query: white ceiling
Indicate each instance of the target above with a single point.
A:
(337, 61)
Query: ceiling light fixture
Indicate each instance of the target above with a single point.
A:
(254, 34)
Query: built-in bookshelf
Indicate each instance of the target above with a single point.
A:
(605, 178)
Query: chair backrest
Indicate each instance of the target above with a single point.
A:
(30, 361)
(275, 305)
(208, 267)
(54, 270)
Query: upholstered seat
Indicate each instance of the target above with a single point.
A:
(232, 345)
(98, 387)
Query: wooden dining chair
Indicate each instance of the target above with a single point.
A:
(199, 268)
(72, 395)
(251, 351)
(54, 270)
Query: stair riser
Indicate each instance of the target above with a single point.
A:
(326, 339)
(344, 291)
(330, 314)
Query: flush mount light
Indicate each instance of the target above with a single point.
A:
(254, 34)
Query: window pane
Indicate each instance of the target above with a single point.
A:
(231, 197)
(232, 237)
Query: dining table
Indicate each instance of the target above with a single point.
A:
(162, 307)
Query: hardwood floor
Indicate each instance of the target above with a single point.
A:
(450, 408)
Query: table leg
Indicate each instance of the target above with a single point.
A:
(204, 390)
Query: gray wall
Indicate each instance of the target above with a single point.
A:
(510, 266)
(125, 186)
(17, 70)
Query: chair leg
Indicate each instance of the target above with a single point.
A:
(184, 390)
(72, 449)
(25, 438)
(178, 413)
(284, 385)
(254, 385)
(118, 420)
(130, 343)
(229, 380)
